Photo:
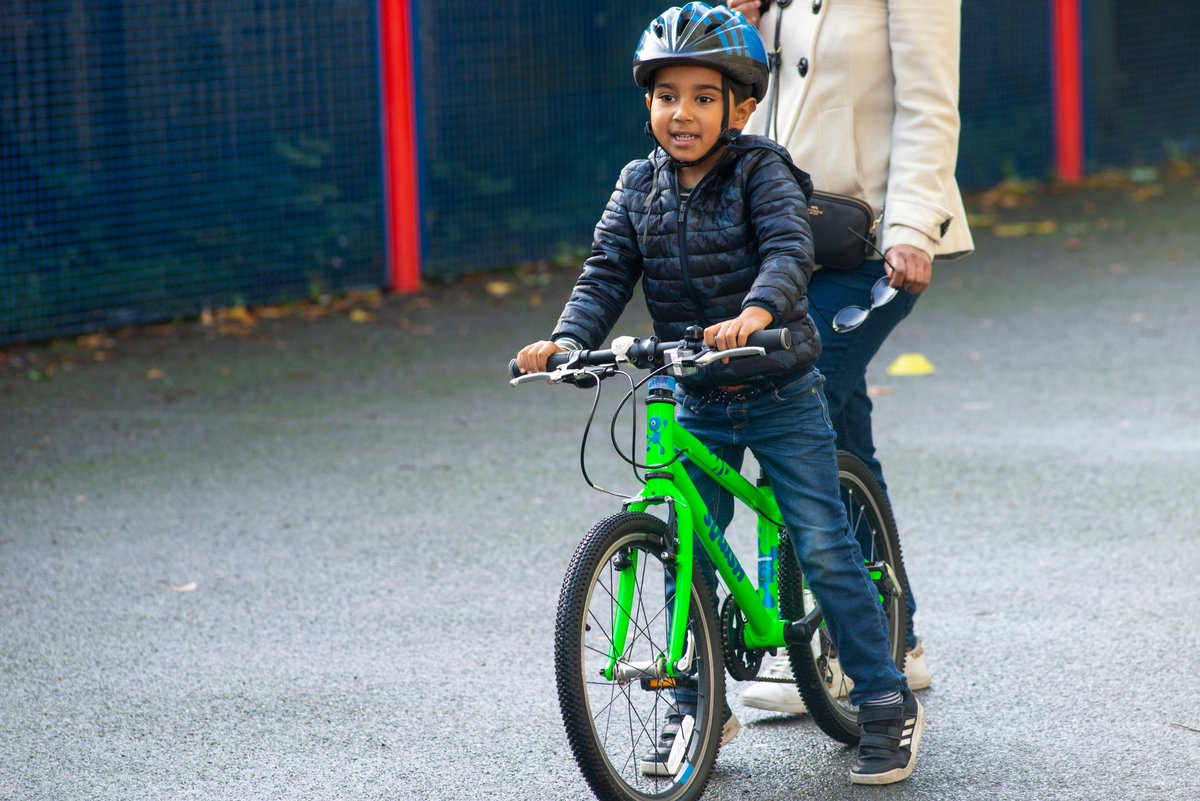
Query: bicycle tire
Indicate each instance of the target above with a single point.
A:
(610, 727)
(820, 681)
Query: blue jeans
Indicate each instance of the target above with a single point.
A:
(844, 359)
(791, 436)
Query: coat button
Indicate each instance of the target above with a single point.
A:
(816, 6)
(803, 67)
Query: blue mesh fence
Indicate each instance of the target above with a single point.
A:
(157, 156)
(1005, 99)
(529, 111)
(1142, 80)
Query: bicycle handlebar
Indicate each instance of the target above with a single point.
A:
(647, 353)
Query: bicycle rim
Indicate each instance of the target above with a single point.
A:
(612, 725)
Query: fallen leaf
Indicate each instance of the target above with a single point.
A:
(1147, 192)
(361, 316)
(1073, 244)
(239, 314)
(371, 298)
(154, 374)
(875, 391)
(191, 586)
(1008, 230)
(499, 289)
(1137, 318)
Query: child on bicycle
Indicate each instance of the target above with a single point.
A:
(715, 225)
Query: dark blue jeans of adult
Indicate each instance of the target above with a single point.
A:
(790, 434)
(844, 359)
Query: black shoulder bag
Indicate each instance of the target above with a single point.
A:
(843, 227)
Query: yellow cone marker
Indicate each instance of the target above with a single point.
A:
(911, 364)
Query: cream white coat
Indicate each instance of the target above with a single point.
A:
(875, 112)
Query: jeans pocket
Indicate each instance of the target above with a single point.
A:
(690, 403)
(808, 389)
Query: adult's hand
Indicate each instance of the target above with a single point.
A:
(912, 268)
(750, 9)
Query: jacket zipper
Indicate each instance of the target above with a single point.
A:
(683, 258)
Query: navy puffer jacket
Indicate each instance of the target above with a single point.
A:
(742, 240)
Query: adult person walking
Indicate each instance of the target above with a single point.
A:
(865, 98)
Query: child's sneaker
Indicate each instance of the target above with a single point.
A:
(887, 752)
(657, 762)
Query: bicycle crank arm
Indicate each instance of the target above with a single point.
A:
(800, 633)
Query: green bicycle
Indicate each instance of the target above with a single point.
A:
(636, 625)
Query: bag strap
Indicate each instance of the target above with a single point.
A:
(775, 63)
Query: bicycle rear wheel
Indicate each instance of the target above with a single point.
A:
(612, 724)
(822, 685)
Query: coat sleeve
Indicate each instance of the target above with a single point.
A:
(924, 38)
(779, 210)
(610, 274)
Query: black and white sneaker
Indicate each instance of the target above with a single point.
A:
(887, 752)
(658, 762)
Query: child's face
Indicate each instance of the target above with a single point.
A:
(686, 109)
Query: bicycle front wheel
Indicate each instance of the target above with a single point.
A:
(819, 678)
(615, 725)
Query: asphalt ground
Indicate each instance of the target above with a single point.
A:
(320, 560)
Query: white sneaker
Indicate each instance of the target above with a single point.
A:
(730, 729)
(779, 697)
(916, 669)
(776, 696)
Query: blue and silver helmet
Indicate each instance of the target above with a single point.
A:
(708, 37)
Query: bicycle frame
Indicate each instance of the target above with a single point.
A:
(667, 483)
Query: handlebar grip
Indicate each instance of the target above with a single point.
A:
(586, 358)
(554, 362)
(771, 340)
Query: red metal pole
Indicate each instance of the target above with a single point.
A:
(1067, 68)
(402, 196)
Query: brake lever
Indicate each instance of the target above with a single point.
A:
(733, 353)
(567, 375)
(525, 378)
